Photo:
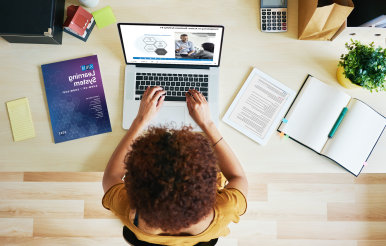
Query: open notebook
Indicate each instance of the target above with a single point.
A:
(313, 114)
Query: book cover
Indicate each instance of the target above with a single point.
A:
(76, 99)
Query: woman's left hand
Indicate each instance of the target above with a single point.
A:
(151, 103)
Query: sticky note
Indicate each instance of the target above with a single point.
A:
(284, 120)
(281, 134)
(286, 136)
(104, 17)
(365, 163)
(21, 120)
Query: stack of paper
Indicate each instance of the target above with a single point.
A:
(21, 120)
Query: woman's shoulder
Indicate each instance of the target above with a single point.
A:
(115, 199)
(231, 201)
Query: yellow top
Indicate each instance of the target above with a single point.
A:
(230, 204)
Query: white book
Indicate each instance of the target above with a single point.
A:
(313, 115)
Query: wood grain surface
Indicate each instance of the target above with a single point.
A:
(327, 213)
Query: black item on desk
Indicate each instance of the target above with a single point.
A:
(365, 11)
(34, 22)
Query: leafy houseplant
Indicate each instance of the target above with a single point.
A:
(364, 66)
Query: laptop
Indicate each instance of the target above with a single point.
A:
(176, 58)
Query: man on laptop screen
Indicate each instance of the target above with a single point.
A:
(184, 47)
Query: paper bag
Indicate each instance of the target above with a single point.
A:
(321, 19)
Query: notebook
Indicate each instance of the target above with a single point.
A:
(21, 120)
(313, 114)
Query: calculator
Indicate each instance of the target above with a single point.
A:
(274, 15)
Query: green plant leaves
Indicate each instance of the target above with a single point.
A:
(365, 65)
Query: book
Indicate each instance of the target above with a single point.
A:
(76, 99)
(315, 111)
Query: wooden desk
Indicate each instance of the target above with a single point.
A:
(281, 56)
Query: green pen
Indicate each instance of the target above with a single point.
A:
(337, 122)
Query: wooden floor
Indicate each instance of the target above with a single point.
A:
(283, 210)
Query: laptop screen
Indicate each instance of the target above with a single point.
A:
(171, 44)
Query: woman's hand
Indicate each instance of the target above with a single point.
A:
(198, 108)
(151, 103)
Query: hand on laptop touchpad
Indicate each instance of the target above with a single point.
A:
(169, 114)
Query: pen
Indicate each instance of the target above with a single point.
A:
(337, 122)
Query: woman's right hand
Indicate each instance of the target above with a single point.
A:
(152, 101)
(198, 108)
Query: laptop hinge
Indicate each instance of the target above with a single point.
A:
(171, 66)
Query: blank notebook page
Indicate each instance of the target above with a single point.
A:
(355, 136)
(314, 113)
(21, 120)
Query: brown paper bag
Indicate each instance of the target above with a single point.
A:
(321, 19)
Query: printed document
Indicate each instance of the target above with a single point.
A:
(259, 106)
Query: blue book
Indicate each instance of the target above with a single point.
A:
(76, 99)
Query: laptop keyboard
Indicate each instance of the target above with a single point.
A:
(175, 85)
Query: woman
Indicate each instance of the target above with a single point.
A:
(170, 181)
(206, 53)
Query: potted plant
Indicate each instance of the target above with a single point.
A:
(364, 66)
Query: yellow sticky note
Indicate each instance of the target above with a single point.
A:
(21, 120)
(281, 134)
(104, 17)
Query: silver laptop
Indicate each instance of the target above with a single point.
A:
(175, 57)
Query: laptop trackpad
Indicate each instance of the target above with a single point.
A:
(169, 114)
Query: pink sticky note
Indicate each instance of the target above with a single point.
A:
(364, 163)
(281, 134)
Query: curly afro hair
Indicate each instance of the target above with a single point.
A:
(171, 178)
